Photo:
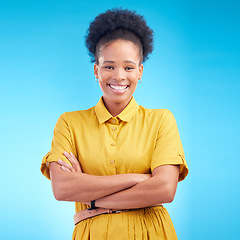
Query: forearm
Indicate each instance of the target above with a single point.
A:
(80, 187)
(139, 196)
(154, 191)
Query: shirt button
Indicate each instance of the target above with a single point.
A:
(114, 128)
(112, 161)
(113, 144)
(114, 121)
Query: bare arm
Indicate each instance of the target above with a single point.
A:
(73, 185)
(160, 188)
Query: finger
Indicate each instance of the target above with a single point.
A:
(66, 165)
(76, 163)
(69, 156)
(72, 160)
(65, 169)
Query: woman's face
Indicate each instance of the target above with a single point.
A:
(118, 71)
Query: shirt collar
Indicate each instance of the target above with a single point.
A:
(126, 115)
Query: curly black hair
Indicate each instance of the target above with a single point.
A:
(119, 24)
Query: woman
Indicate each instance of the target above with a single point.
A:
(120, 158)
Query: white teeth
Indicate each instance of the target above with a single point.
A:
(118, 87)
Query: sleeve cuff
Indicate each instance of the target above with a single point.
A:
(50, 157)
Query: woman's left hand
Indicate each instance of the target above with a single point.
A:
(76, 167)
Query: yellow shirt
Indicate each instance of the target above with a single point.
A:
(136, 141)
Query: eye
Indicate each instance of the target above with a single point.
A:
(109, 67)
(129, 68)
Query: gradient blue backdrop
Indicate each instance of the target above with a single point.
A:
(194, 71)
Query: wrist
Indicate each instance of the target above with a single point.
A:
(142, 177)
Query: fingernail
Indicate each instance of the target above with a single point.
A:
(71, 153)
(59, 160)
(65, 152)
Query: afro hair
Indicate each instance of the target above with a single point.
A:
(119, 24)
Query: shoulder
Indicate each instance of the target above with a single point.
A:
(74, 116)
(159, 114)
(157, 118)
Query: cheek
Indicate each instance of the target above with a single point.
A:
(133, 85)
(102, 85)
(135, 80)
(102, 75)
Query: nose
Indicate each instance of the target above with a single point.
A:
(119, 74)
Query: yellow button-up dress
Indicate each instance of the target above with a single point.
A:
(136, 141)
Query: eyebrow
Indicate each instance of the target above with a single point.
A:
(127, 61)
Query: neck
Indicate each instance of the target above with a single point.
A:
(115, 108)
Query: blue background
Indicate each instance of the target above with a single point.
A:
(194, 71)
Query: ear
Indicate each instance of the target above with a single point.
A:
(140, 72)
(96, 70)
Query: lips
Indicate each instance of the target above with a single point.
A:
(118, 87)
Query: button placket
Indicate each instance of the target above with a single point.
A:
(113, 125)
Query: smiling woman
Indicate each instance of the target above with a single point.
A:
(137, 158)
(118, 71)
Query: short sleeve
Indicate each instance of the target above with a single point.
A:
(168, 146)
(62, 141)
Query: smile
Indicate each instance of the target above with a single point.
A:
(118, 87)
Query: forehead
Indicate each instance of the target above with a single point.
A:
(119, 50)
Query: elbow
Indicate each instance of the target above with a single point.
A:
(166, 194)
(58, 196)
(170, 193)
(170, 198)
(58, 192)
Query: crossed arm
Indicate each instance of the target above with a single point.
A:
(122, 191)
